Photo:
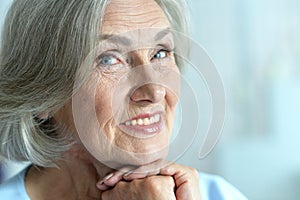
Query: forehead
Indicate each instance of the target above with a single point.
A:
(123, 16)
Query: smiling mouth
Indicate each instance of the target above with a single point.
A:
(144, 124)
(143, 121)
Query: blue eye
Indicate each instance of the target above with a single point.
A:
(161, 54)
(108, 60)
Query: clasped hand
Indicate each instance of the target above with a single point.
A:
(170, 181)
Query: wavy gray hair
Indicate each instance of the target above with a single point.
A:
(43, 45)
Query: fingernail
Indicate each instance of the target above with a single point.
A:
(100, 182)
(100, 186)
(105, 179)
(108, 177)
(128, 173)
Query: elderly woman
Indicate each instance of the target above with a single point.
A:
(82, 98)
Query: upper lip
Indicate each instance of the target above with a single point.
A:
(145, 115)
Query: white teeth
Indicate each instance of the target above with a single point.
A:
(140, 122)
(146, 121)
(133, 122)
(151, 120)
(143, 121)
(156, 118)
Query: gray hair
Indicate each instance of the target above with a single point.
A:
(43, 45)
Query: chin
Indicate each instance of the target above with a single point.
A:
(139, 159)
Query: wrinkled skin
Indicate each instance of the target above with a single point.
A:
(80, 175)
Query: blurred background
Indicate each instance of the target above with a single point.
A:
(255, 45)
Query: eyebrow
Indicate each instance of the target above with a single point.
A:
(126, 41)
(116, 39)
(162, 34)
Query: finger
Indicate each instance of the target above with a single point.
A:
(146, 170)
(102, 186)
(134, 175)
(113, 178)
(171, 169)
(179, 173)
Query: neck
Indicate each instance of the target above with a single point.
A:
(74, 178)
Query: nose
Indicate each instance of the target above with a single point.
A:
(148, 94)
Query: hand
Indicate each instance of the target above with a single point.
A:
(186, 181)
(185, 178)
(149, 188)
(130, 173)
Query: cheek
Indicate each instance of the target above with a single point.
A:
(172, 83)
(172, 99)
(103, 107)
(106, 107)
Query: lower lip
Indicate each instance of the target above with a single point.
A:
(146, 130)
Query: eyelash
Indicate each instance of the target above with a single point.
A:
(167, 51)
(120, 58)
(108, 55)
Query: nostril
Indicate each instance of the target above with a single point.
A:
(149, 93)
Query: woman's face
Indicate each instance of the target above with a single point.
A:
(124, 113)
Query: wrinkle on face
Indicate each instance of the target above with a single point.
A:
(133, 14)
(140, 21)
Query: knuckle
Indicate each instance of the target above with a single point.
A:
(167, 181)
(170, 181)
(168, 170)
(105, 195)
(153, 183)
(194, 171)
(121, 185)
